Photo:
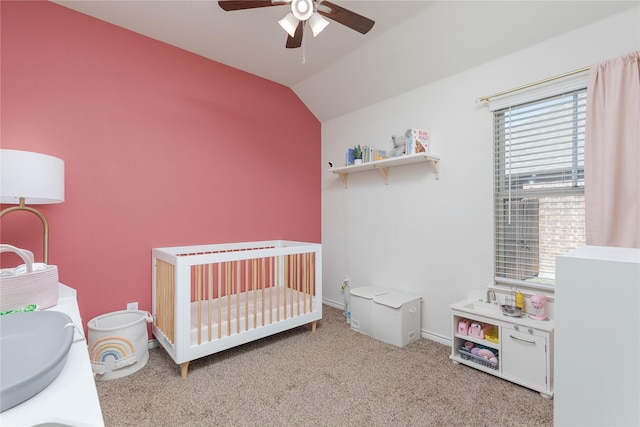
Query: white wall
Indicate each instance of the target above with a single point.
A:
(434, 237)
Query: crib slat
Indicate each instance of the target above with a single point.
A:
(312, 291)
(246, 295)
(219, 300)
(209, 300)
(198, 284)
(263, 279)
(278, 286)
(270, 290)
(254, 272)
(286, 283)
(305, 281)
(237, 292)
(298, 280)
(310, 278)
(171, 286)
(305, 260)
(227, 271)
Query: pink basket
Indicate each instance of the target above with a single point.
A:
(39, 286)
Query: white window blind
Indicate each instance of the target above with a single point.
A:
(538, 187)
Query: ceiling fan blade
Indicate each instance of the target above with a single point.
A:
(346, 17)
(296, 40)
(230, 5)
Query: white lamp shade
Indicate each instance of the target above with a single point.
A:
(317, 23)
(289, 23)
(302, 9)
(39, 178)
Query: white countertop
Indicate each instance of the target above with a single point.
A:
(543, 325)
(72, 398)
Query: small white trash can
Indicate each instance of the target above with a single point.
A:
(118, 343)
(396, 318)
(362, 307)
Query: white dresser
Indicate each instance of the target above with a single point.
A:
(71, 399)
(597, 347)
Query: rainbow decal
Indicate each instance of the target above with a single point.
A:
(119, 349)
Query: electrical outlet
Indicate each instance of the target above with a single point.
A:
(132, 306)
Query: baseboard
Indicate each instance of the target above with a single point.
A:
(437, 338)
(153, 343)
(334, 304)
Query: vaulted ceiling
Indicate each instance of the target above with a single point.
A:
(412, 43)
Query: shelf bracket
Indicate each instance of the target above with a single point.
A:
(385, 174)
(436, 167)
(344, 177)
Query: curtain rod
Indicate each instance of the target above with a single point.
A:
(539, 82)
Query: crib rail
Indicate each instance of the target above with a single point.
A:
(215, 292)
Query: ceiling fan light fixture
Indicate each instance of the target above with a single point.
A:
(317, 23)
(302, 9)
(289, 23)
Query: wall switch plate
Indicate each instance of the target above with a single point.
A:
(132, 306)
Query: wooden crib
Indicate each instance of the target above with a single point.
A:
(211, 298)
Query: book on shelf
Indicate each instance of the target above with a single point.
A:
(379, 154)
(350, 156)
(417, 141)
(369, 154)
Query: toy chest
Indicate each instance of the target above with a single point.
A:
(396, 318)
(362, 308)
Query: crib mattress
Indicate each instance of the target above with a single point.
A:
(246, 311)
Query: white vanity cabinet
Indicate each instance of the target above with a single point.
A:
(524, 346)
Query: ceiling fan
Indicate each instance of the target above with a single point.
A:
(303, 12)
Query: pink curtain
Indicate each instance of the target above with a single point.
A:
(612, 153)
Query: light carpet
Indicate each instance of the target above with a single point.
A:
(333, 377)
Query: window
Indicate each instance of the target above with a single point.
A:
(538, 186)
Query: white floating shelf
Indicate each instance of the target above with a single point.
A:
(384, 165)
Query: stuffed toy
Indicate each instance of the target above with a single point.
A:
(399, 145)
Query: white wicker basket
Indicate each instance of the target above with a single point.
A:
(39, 286)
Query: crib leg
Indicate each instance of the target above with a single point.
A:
(313, 326)
(183, 369)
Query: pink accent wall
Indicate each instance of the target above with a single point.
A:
(161, 148)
